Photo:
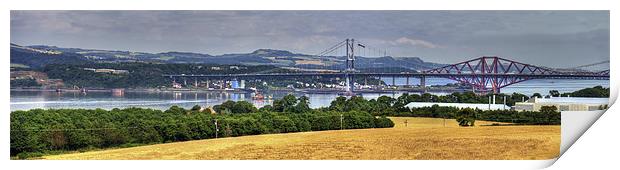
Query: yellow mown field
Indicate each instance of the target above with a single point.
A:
(422, 138)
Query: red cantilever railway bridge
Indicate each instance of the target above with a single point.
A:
(487, 73)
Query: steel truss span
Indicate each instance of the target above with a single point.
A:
(493, 73)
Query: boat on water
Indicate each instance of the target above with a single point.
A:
(258, 96)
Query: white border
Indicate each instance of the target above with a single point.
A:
(596, 148)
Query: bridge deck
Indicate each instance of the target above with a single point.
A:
(441, 75)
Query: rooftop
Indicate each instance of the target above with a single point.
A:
(577, 100)
(481, 106)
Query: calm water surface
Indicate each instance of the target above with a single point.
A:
(24, 100)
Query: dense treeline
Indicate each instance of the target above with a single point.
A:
(38, 60)
(549, 117)
(388, 106)
(149, 75)
(24, 83)
(36, 132)
(140, 74)
(597, 91)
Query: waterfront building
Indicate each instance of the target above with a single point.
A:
(563, 104)
(242, 84)
(234, 84)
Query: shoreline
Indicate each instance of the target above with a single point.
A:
(308, 90)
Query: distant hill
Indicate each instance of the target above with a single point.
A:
(33, 57)
(38, 55)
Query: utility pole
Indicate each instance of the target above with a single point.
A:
(216, 129)
(341, 121)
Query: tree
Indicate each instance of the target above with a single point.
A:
(518, 97)
(548, 109)
(554, 93)
(196, 108)
(387, 101)
(303, 105)
(266, 108)
(243, 107)
(225, 107)
(338, 104)
(466, 117)
(356, 103)
(285, 104)
(538, 95)
(176, 110)
(427, 97)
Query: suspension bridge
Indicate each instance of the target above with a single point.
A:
(484, 74)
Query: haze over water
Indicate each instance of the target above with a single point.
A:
(25, 100)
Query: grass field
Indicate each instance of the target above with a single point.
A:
(422, 138)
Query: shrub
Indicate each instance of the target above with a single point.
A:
(466, 117)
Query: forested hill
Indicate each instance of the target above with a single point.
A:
(30, 57)
(40, 55)
(140, 74)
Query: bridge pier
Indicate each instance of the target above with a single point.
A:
(393, 80)
(350, 83)
(407, 84)
(423, 83)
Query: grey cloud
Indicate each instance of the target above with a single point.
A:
(530, 35)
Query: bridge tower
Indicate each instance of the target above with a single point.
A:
(350, 68)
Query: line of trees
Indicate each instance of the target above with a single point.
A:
(385, 105)
(24, 83)
(140, 74)
(36, 132)
(547, 116)
(388, 106)
(596, 91)
(149, 75)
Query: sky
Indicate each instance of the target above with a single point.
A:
(549, 38)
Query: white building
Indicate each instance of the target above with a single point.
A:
(460, 105)
(564, 104)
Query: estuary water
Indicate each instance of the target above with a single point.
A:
(25, 100)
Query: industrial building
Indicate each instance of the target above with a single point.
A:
(460, 105)
(563, 104)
